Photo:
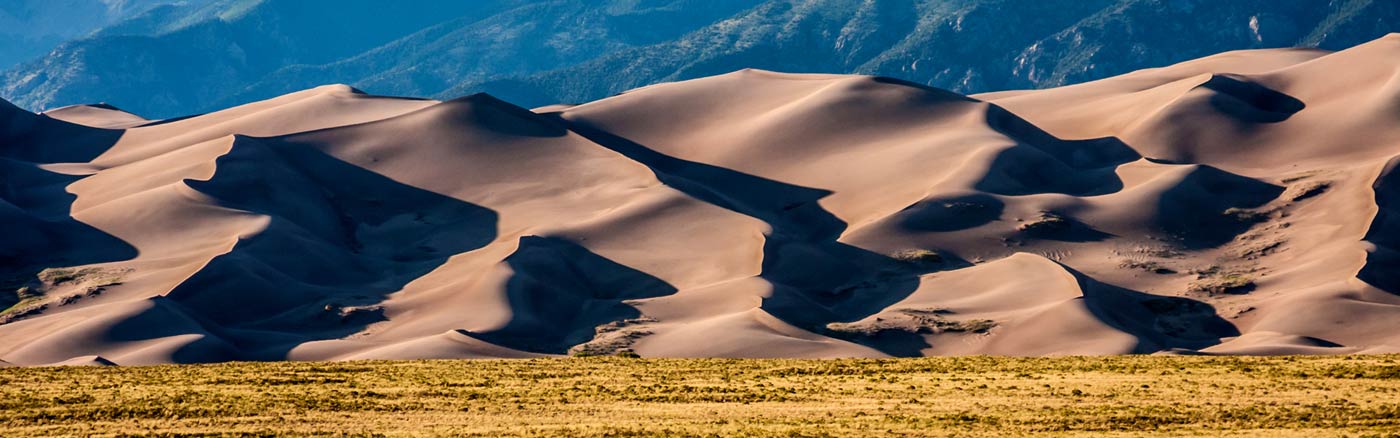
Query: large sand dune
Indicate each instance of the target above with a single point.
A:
(1245, 203)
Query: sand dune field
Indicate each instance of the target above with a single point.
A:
(1244, 203)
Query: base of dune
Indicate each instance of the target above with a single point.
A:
(971, 396)
(1239, 204)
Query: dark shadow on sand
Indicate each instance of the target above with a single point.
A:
(1249, 101)
(37, 230)
(1382, 268)
(560, 292)
(954, 213)
(1159, 322)
(816, 280)
(341, 239)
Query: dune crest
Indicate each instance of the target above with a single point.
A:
(1238, 204)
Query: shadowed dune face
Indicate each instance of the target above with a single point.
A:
(41, 139)
(560, 291)
(341, 238)
(953, 213)
(1251, 101)
(1160, 323)
(1384, 234)
(1212, 207)
(38, 231)
(815, 279)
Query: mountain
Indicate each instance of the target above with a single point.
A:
(539, 36)
(28, 28)
(966, 46)
(196, 58)
(233, 44)
(1240, 203)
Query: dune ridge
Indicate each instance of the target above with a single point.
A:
(1242, 203)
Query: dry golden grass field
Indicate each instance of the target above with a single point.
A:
(972, 396)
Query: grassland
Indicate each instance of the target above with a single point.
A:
(608, 396)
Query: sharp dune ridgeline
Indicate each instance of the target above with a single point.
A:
(1243, 203)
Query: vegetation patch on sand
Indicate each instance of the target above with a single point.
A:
(1147, 265)
(608, 396)
(1246, 216)
(1307, 190)
(1046, 225)
(614, 338)
(24, 297)
(1233, 284)
(918, 256)
(924, 321)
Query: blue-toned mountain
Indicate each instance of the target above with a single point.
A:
(191, 58)
(28, 28)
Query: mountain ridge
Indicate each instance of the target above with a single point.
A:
(539, 52)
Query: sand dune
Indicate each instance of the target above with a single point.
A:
(1243, 203)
